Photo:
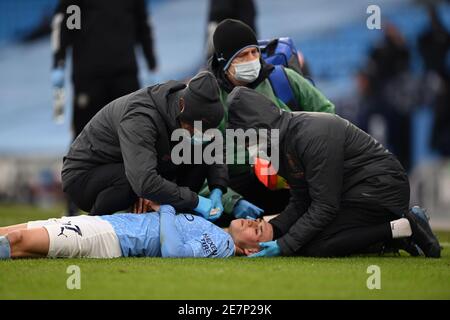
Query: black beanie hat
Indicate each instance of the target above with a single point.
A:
(202, 101)
(230, 37)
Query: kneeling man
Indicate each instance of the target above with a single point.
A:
(347, 191)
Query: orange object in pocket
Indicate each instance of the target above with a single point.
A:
(267, 175)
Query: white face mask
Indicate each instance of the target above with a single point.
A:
(247, 71)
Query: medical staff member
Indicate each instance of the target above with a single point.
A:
(124, 153)
(237, 62)
(347, 191)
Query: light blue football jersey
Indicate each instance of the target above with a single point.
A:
(139, 235)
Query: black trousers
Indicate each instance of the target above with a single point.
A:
(272, 201)
(105, 189)
(92, 94)
(349, 234)
(363, 224)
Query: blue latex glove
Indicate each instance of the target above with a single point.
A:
(268, 249)
(216, 199)
(204, 208)
(246, 210)
(57, 77)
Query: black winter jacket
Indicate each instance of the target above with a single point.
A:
(325, 160)
(136, 129)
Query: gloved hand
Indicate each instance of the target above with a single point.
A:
(216, 198)
(57, 77)
(268, 249)
(205, 207)
(244, 209)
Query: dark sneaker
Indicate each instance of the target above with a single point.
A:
(420, 213)
(406, 244)
(422, 234)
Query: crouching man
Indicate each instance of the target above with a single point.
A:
(124, 153)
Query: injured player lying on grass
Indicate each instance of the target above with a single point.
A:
(161, 233)
(156, 234)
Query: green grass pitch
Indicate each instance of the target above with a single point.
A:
(402, 277)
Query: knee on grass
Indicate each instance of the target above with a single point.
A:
(8, 244)
(20, 247)
(15, 239)
(31, 243)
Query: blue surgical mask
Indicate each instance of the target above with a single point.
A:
(247, 71)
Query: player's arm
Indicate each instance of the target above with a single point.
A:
(172, 244)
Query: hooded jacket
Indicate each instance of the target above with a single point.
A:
(136, 129)
(326, 161)
(308, 97)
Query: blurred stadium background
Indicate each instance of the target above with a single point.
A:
(334, 40)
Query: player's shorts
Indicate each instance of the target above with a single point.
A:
(80, 236)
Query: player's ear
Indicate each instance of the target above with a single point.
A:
(181, 104)
(248, 252)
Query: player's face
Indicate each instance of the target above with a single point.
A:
(248, 233)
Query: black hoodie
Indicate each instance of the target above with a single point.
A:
(326, 161)
(135, 130)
